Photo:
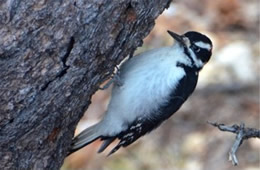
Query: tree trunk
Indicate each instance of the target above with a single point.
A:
(53, 57)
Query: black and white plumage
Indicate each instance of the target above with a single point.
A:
(155, 84)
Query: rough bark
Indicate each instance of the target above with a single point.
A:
(53, 57)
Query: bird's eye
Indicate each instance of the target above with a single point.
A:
(195, 48)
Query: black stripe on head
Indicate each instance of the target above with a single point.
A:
(197, 37)
(204, 55)
(200, 44)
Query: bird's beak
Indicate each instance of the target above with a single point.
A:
(177, 37)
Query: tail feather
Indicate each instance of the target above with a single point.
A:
(86, 137)
(118, 146)
(105, 144)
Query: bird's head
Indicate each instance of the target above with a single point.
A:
(197, 47)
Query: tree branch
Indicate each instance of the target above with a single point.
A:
(242, 134)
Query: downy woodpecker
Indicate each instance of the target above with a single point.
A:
(155, 84)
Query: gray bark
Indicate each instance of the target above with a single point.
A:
(53, 57)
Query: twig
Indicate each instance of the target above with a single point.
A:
(242, 134)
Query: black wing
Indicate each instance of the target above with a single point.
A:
(143, 125)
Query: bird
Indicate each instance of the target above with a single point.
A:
(153, 86)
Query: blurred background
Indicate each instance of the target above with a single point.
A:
(227, 92)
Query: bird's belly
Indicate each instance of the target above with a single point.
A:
(142, 96)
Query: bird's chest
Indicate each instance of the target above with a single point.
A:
(148, 90)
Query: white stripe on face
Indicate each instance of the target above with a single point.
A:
(203, 45)
(197, 62)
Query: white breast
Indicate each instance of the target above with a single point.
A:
(148, 79)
